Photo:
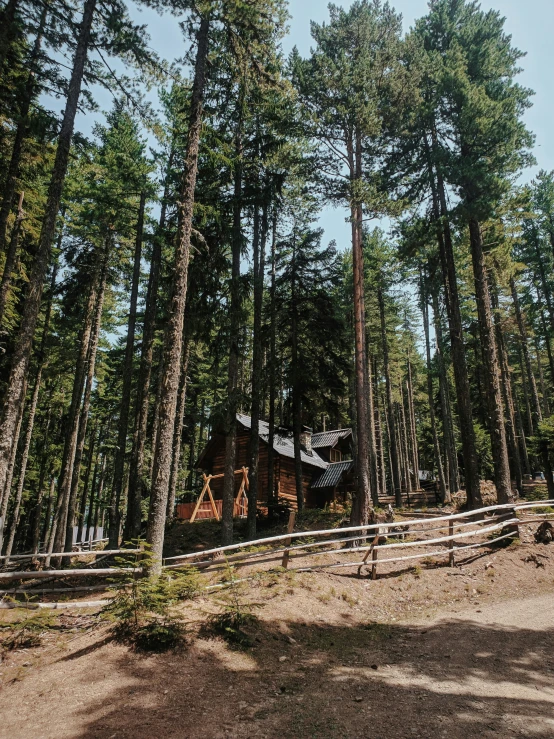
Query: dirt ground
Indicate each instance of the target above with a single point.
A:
(427, 651)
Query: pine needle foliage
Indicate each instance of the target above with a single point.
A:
(142, 610)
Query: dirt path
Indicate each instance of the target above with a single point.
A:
(429, 654)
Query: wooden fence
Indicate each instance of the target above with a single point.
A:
(360, 547)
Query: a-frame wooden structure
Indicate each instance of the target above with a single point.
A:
(240, 508)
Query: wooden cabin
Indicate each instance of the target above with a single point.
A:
(327, 468)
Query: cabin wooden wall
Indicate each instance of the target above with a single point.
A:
(284, 471)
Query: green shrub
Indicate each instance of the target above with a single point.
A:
(142, 607)
(236, 613)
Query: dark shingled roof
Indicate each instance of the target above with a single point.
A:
(283, 444)
(332, 475)
(329, 438)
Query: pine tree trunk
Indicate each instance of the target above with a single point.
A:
(41, 358)
(362, 500)
(83, 418)
(373, 462)
(23, 344)
(72, 430)
(449, 440)
(136, 465)
(9, 264)
(234, 352)
(176, 311)
(125, 405)
(47, 517)
(524, 344)
(84, 495)
(461, 377)
(444, 492)
(296, 388)
(491, 367)
(412, 424)
(177, 440)
(393, 447)
(259, 242)
(271, 496)
(6, 493)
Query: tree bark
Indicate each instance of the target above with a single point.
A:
(177, 440)
(11, 467)
(174, 333)
(234, 332)
(296, 388)
(362, 500)
(136, 465)
(84, 495)
(461, 377)
(444, 492)
(9, 264)
(491, 367)
(125, 405)
(83, 418)
(72, 431)
(393, 448)
(41, 358)
(24, 341)
(271, 496)
(259, 242)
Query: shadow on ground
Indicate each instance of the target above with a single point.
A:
(458, 679)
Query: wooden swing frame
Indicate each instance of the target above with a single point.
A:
(240, 501)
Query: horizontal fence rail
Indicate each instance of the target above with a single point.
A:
(351, 540)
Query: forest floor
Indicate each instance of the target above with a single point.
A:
(427, 651)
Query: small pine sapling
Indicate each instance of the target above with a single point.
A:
(142, 609)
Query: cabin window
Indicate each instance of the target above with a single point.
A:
(336, 455)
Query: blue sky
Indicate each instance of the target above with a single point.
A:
(530, 22)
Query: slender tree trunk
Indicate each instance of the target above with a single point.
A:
(271, 496)
(24, 341)
(41, 358)
(84, 495)
(296, 388)
(491, 367)
(9, 264)
(136, 465)
(83, 420)
(125, 405)
(451, 456)
(72, 431)
(412, 423)
(524, 344)
(11, 467)
(537, 411)
(373, 463)
(444, 492)
(177, 440)
(393, 448)
(47, 517)
(234, 336)
(461, 377)
(542, 384)
(362, 500)
(259, 242)
(174, 333)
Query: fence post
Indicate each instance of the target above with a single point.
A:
(374, 555)
(451, 544)
(290, 527)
